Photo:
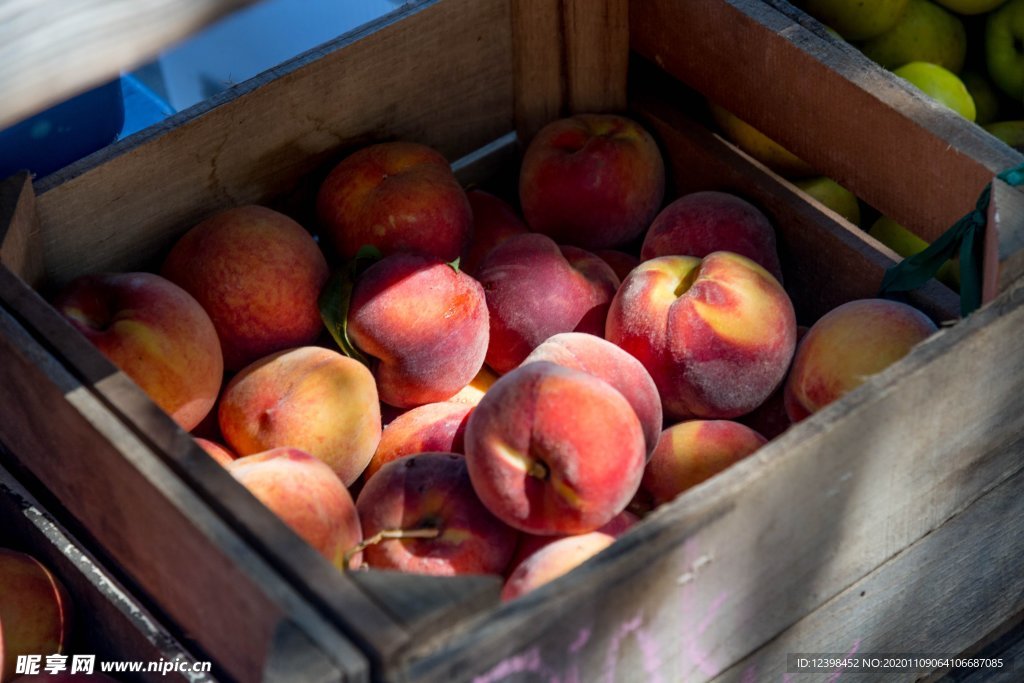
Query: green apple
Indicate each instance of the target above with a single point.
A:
(758, 145)
(905, 243)
(942, 85)
(983, 92)
(1004, 48)
(856, 20)
(833, 195)
(1010, 132)
(971, 6)
(925, 33)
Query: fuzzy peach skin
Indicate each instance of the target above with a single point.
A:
(529, 544)
(553, 450)
(695, 450)
(602, 359)
(307, 495)
(258, 274)
(434, 427)
(702, 222)
(770, 419)
(536, 289)
(221, 454)
(846, 346)
(309, 398)
(553, 560)
(494, 221)
(35, 610)
(396, 196)
(155, 332)
(716, 334)
(432, 493)
(591, 180)
(424, 323)
(621, 262)
(478, 386)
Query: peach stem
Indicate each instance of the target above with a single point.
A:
(387, 534)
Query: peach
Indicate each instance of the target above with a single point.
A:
(770, 419)
(396, 196)
(529, 544)
(35, 610)
(307, 495)
(716, 334)
(602, 359)
(702, 222)
(695, 450)
(553, 450)
(535, 289)
(846, 346)
(553, 560)
(258, 274)
(621, 262)
(155, 332)
(494, 221)
(478, 386)
(423, 323)
(434, 427)
(216, 451)
(591, 180)
(309, 398)
(420, 514)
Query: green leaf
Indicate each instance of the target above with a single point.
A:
(336, 298)
(455, 264)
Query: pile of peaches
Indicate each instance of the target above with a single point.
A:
(447, 382)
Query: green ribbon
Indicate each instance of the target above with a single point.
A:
(965, 238)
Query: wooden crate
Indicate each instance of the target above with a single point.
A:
(884, 523)
(108, 622)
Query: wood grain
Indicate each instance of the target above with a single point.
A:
(20, 250)
(53, 49)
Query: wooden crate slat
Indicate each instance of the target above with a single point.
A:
(20, 251)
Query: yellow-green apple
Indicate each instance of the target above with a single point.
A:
(970, 7)
(35, 610)
(434, 427)
(395, 196)
(553, 450)
(846, 346)
(856, 20)
(716, 334)
(535, 288)
(420, 514)
(1004, 48)
(832, 195)
(942, 85)
(552, 561)
(693, 451)
(494, 221)
(424, 325)
(1010, 132)
(309, 398)
(591, 180)
(925, 33)
(760, 146)
(530, 543)
(258, 274)
(905, 243)
(699, 223)
(620, 261)
(221, 454)
(155, 332)
(602, 359)
(307, 495)
(987, 101)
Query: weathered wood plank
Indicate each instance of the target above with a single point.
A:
(597, 54)
(53, 49)
(911, 159)
(20, 251)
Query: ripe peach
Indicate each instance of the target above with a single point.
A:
(396, 196)
(309, 398)
(591, 180)
(475, 390)
(553, 450)
(437, 427)
(846, 346)
(529, 543)
(702, 222)
(258, 274)
(535, 289)
(428, 520)
(621, 262)
(155, 332)
(553, 560)
(425, 325)
(695, 450)
(716, 334)
(306, 494)
(602, 359)
(494, 221)
(216, 451)
(35, 610)
(770, 419)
